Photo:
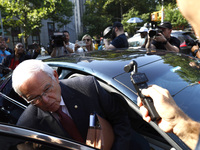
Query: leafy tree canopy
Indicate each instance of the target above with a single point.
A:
(28, 14)
(173, 15)
(102, 13)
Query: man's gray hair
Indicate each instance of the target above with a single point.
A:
(26, 70)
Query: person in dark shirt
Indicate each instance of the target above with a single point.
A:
(164, 40)
(11, 61)
(119, 39)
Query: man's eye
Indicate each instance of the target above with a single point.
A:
(47, 89)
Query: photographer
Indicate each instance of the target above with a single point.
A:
(119, 39)
(164, 40)
(61, 45)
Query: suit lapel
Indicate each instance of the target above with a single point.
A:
(73, 100)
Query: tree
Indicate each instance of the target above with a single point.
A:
(95, 18)
(27, 14)
(102, 13)
(173, 15)
(132, 27)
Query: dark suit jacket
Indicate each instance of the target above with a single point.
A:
(82, 96)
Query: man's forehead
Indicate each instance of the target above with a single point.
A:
(66, 33)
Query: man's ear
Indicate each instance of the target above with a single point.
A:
(55, 75)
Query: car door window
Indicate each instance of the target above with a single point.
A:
(11, 104)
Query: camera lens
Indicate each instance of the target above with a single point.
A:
(152, 33)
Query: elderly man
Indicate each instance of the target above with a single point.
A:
(173, 119)
(74, 98)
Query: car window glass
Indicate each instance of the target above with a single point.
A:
(10, 111)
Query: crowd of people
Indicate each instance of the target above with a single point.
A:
(87, 44)
(33, 77)
(9, 58)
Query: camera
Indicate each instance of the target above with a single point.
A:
(139, 81)
(154, 32)
(191, 42)
(58, 38)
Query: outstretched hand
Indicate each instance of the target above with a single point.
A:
(165, 106)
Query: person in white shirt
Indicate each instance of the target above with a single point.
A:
(67, 47)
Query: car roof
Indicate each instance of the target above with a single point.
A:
(114, 60)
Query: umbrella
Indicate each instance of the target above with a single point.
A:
(135, 20)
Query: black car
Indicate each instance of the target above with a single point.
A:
(177, 72)
(187, 40)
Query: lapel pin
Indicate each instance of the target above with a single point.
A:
(76, 106)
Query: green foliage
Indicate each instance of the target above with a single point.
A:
(130, 27)
(173, 15)
(187, 72)
(27, 14)
(101, 13)
(95, 19)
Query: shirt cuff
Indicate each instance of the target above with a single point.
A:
(198, 144)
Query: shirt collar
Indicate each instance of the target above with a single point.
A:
(62, 102)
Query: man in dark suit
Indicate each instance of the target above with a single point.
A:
(38, 84)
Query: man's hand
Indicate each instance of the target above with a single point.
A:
(76, 46)
(173, 118)
(195, 50)
(195, 47)
(165, 106)
(66, 46)
(160, 38)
